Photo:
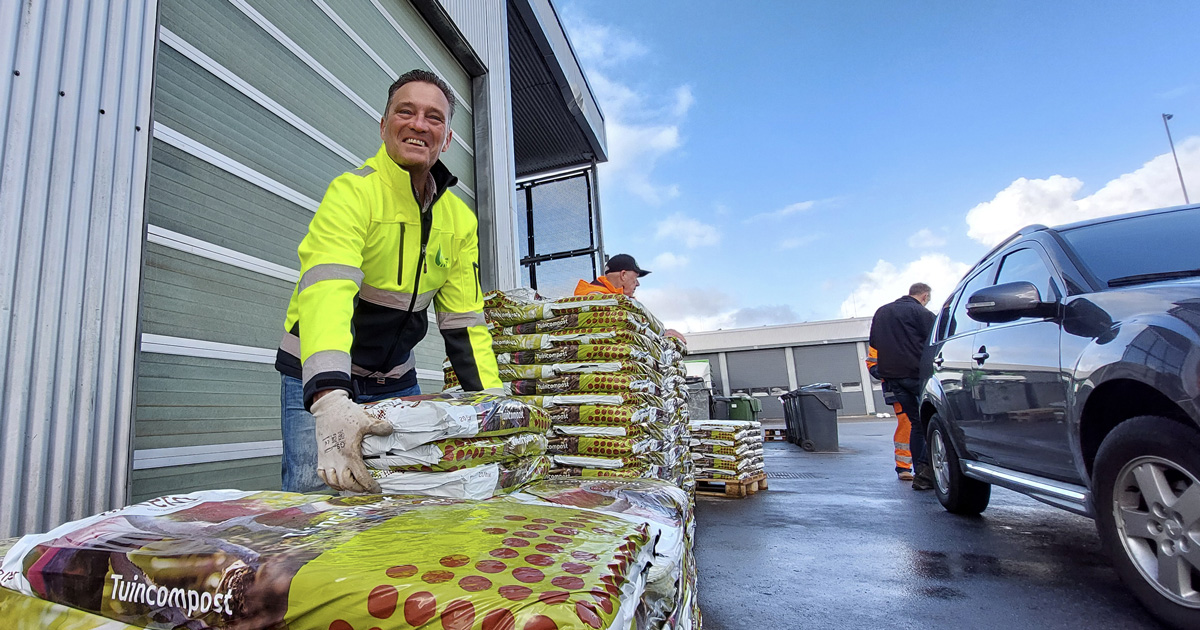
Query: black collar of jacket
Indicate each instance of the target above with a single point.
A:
(443, 179)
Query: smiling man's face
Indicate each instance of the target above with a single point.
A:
(416, 127)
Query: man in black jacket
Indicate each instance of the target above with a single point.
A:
(899, 333)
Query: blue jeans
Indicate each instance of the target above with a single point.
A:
(300, 435)
(908, 393)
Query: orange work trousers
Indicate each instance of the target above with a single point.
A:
(900, 439)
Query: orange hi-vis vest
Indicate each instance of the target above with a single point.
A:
(599, 285)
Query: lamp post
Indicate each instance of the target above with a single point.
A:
(1167, 117)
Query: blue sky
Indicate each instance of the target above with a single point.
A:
(776, 162)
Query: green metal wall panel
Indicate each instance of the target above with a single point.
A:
(193, 297)
(197, 104)
(219, 30)
(307, 25)
(260, 473)
(192, 401)
(191, 196)
(405, 14)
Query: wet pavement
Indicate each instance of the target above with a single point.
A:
(843, 544)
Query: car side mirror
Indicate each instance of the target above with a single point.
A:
(1007, 302)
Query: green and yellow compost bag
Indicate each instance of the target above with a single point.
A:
(611, 319)
(251, 560)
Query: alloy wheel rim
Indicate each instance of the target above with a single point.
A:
(1156, 508)
(939, 462)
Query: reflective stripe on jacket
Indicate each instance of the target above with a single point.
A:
(599, 285)
(349, 313)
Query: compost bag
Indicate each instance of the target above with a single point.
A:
(251, 560)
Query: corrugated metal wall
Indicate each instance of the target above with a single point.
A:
(76, 78)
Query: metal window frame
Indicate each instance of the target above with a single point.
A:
(595, 248)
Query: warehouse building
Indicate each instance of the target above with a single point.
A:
(770, 360)
(161, 162)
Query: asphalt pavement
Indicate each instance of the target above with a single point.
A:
(838, 542)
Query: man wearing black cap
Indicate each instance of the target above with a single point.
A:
(621, 275)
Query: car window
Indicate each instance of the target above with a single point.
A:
(1027, 265)
(959, 322)
(943, 320)
(1145, 245)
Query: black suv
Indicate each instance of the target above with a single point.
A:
(1066, 366)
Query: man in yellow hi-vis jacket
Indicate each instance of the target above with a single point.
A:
(388, 240)
(903, 426)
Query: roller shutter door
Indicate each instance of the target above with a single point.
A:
(258, 105)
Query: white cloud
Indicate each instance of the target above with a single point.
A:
(642, 124)
(680, 227)
(692, 309)
(886, 282)
(782, 212)
(667, 261)
(1052, 201)
(598, 44)
(800, 241)
(925, 238)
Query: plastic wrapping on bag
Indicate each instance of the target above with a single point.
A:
(605, 415)
(583, 384)
(643, 500)
(727, 438)
(583, 353)
(576, 337)
(606, 319)
(420, 420)
(226, 559)
(513, 372)
(735, 449)
(729, 465)
(476, 482)
(644, 471)
(635, 400)
(728, 426)
(458, 453)
(514, 308)
(602, 446)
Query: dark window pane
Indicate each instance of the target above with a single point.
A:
(1139, 245)
(959, 322)
(1026, 265)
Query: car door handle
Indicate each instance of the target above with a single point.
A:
(982, 355)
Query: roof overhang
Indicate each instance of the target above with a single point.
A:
(780, 336)
(557, 123)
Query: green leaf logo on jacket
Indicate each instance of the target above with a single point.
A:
(440, 260)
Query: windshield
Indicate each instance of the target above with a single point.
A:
(1147, 245)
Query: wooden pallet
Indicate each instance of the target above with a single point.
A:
(731, 489)
(774, 435)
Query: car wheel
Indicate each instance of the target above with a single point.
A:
(958, 493)
(1146, 485)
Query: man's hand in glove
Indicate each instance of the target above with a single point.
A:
(341, 425)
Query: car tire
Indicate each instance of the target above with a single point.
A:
(958, 493)
(1141, 474)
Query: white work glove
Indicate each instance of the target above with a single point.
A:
(341, 425)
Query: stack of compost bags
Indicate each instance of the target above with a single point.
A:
(259, 560)
(467, 446)
(731, 450)
(669, 601)
(600, 367)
